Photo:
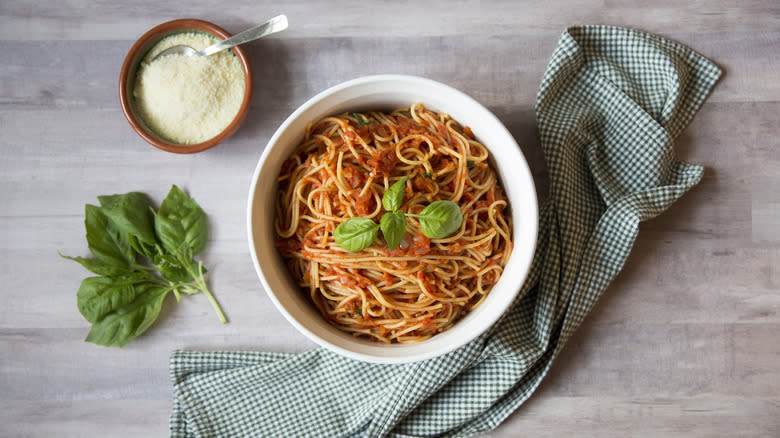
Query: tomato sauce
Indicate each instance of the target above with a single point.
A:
(423, 184)
(421, 245)
(365, 204)
(384, 163)
(354, 177)
(381, 130)
(351, 280)
(427, 283)
(289, 244)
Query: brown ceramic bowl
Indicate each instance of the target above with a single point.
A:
(127, 80)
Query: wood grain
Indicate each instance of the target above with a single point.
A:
(684, 342)
(105, 20)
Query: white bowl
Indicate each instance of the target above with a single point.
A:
(387, 92)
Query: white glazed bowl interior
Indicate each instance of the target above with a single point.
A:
(387, 92)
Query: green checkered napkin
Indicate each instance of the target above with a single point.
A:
(609, 107)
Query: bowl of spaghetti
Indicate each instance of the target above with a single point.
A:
(392, 219)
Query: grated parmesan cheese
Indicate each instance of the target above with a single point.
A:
(188, 100)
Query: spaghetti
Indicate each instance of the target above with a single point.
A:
(423, 286)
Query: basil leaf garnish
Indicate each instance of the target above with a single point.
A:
(394, 196)
(440, 219)
(393, 227)
(355, 234)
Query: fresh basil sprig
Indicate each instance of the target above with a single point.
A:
(440, 219)
(355, 234)
(140, 256)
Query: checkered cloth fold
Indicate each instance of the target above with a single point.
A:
(609, 107)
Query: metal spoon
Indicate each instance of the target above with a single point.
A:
(276, 24)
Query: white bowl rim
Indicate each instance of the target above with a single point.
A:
(523, 264)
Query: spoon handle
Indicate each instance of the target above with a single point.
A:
(276, 24)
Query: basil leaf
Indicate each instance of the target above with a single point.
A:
(99, 267)
(427, 175)
(106, 242)
(393, 227)
(126, 299)
(361, 121)
(440, 219)
(131, 213)
(98, 296)
(145, 249)
(171, 270)
(470, 164)
(355, 234)
(125, 322)
(394, 196)
(181, 225)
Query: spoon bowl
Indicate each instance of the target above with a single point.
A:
(177, 50)
(274, 25)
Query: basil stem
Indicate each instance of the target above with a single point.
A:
(141, 255)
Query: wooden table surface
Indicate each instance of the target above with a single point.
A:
(686, 342)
